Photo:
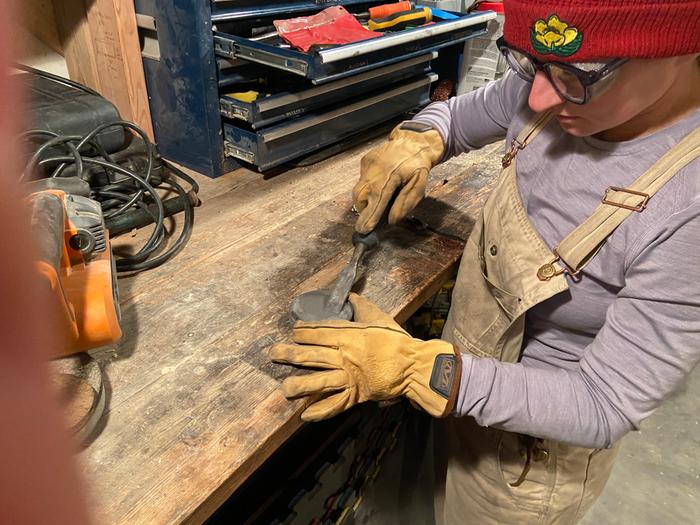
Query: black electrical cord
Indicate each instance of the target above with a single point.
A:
(184, 176)
(149, 157)
(57, 141)
(155, 239)
(178, 244)
(117, 188)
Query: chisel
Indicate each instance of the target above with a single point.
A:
(341, 290)
(322, 305)
(401, 20)
(383, 10)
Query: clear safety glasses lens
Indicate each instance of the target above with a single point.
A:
(576, 88)
(520, 63)
(566, 83)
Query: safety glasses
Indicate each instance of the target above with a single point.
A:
(573, 83)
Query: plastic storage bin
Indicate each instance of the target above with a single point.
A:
(482, 62)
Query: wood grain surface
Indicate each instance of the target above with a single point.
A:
(37, 17)
(194, 405)
(101, 46)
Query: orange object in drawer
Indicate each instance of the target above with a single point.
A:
(389, 9)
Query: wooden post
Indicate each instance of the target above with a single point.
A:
(37, 18)
(101, 47)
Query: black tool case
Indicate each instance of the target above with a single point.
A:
(63, 107)
(199, 54)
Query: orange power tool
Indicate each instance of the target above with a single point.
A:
(75, 258)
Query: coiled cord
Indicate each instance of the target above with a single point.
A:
(115, 186)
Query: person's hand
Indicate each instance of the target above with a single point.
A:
(403, 162)
(372, 358)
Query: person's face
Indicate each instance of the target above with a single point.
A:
(637, 88)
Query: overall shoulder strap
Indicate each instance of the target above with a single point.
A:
(583, 243)
(529, 132)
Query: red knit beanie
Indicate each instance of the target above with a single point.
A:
(581, 30)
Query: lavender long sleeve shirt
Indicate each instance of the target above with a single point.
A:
(601, 357)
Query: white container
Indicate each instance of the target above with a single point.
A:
(481, 61)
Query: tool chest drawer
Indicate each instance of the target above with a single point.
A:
(293, 138)
(289, 103)
(225, 90)
(235, 10)
(341, 61)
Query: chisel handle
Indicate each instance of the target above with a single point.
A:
(389, 9)
(402, 20)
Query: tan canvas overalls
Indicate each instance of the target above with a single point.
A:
(496, 477)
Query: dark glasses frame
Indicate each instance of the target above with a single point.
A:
(586, 78)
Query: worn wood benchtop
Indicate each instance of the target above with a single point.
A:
(194, 405)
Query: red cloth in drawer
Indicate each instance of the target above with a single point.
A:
(334, 25)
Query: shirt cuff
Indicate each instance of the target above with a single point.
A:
(467, 362)
(475, 385)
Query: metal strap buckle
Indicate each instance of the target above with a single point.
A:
(548, 271)
(638, 208)
(515, 146)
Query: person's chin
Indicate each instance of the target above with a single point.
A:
(575, 126)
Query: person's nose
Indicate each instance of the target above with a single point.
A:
(543, 96)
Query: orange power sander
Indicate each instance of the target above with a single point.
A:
(75, 259)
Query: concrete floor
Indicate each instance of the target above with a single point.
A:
(657, 477)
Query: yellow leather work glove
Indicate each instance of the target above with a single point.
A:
(402, 162)
(372, 358)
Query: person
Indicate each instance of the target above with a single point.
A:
(39, 478)
(576, 309)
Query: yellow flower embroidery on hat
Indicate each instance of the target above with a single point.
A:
(555, 37)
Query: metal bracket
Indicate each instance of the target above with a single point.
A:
(230, 150)
(148, 36)
(224, 47)
(232, 49)
(232, 111)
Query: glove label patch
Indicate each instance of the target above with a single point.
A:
(443, 374)
(413, 125)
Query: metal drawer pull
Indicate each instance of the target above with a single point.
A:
(404, 37)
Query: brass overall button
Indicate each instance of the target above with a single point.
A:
(493, 250)
(546, 272)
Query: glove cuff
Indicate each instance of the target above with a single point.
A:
(447, 375)
(426, 142)
(435, 377)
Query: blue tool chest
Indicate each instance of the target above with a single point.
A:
(199, 56)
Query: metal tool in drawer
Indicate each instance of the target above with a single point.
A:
(339, 62)
(286, 104)
(275, 145)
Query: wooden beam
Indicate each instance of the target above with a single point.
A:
(37, 17)
(101, 46)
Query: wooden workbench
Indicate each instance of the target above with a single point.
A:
(194, 405)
